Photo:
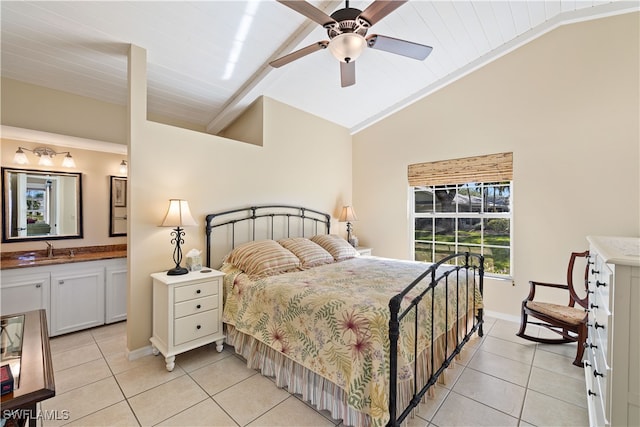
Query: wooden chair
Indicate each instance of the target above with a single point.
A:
(569, 321)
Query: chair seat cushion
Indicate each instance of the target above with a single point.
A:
(569, 315)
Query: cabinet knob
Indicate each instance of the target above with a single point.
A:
(593, 271)
(598, 283)
(60, 282)
(594, 306)
(38, 286)
(198, 306)
(597, 325)
(597, 374)
(590, 393)
(198, 291)
(198, 327)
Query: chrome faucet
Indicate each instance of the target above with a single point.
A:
(49, 249)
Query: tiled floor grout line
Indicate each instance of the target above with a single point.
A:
(473, 352)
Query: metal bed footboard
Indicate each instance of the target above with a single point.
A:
(396, 316)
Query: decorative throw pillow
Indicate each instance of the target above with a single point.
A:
(309, 253)
(263, 258)
(339, 248)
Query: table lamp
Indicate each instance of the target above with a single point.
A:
(178, 216)
(348, 215)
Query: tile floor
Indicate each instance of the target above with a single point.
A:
(500, 381)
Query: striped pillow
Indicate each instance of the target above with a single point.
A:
(339, 248)
(263, 258)
(309, 253)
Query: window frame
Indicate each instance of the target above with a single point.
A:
(457, 215)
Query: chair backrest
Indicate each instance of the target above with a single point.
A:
(584, 302)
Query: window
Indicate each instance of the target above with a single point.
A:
(472, 217)
(464, 205)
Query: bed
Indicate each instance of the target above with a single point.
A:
(365, 338)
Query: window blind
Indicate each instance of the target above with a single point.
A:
(488, 168)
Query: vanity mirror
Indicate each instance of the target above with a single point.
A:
(41, 205)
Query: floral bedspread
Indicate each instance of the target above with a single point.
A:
(334, 320)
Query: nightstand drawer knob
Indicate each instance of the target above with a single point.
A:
(198, 326)
(198, 291)
(198, 306)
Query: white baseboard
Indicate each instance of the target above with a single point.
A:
(502, 316)
(140, 352)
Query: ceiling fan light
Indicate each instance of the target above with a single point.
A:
(347, 47)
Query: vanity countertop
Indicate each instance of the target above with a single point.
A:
(24, 259)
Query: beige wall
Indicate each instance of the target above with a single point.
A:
(35, 107)
(303, 160)
(248, 127)
(95, 168)
(567, 105)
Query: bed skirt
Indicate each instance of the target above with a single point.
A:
(322, 393)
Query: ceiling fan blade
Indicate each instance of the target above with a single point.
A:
(347, 73)
(379, 9)
(308, 10)
(399, 47)
(284, 60)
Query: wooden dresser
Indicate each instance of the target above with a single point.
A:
(612, 355)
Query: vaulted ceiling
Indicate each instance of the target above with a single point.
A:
(208, 60)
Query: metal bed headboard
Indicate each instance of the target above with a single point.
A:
(319, 222)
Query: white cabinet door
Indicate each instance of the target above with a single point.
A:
(116, 293)
(25, 292)
(77, 300)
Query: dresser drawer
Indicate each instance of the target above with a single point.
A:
(194, 306)
(598, 328)
(197, 290)
(195, 326)
(595, 400)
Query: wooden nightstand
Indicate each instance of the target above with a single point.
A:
(187, 312)
(363, 250)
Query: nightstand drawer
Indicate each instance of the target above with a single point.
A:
(196, 326)
(198, 290)
(194, 306)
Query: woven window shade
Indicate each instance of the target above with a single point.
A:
(489, 168)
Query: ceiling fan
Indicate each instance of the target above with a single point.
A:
(347, 29)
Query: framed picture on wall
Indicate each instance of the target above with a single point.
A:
(119, 191)
(118, 209)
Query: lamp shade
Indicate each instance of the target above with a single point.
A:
(68, 161)
(347, 214)
(20, 157)
(347, 47)
(178, 214)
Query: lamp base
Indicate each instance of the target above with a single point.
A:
(177, 271)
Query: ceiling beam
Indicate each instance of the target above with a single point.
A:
(242, 98)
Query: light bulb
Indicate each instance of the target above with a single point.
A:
(45, 160)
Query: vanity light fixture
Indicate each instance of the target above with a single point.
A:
(45, 155)
(123, 167)
(178, 216)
